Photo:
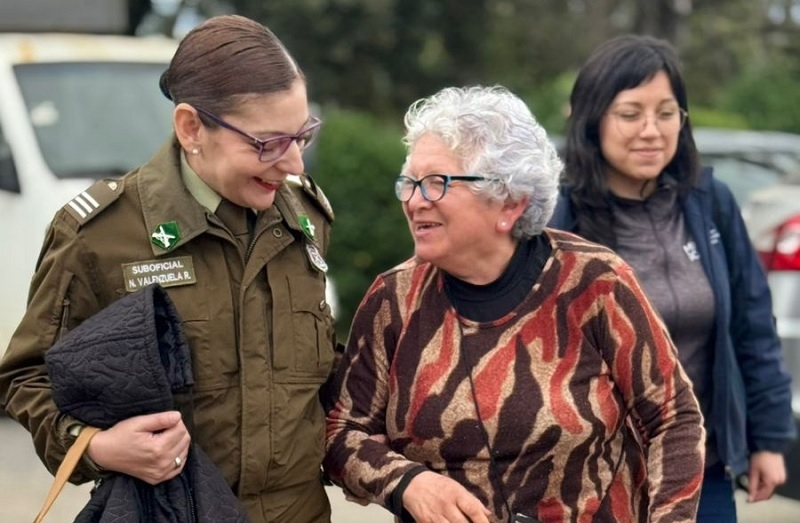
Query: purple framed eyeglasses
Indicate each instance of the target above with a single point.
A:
(271, 149)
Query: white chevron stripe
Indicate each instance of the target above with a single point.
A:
(88, 203)
(77, 209)
(80, 201)
(91, 200)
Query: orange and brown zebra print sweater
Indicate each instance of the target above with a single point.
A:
(589, 415)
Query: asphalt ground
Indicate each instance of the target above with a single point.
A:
(24, 483)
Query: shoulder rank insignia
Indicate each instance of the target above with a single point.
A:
(90, 202)
(314, 193)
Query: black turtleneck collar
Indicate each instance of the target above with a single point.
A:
(492, 301)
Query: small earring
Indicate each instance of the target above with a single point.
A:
(502, 224)
(195, 151)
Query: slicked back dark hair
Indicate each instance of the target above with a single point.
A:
(622, 63)
(225, 58)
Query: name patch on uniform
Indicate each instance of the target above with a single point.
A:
(168, 273)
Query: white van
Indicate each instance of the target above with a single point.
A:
(73, 108)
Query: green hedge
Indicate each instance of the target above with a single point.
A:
(767, 96)
(356, 161)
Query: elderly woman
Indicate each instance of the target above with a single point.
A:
(507, 372)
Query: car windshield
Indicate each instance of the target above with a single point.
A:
(743, 176)
(749, 161)
(95, 119)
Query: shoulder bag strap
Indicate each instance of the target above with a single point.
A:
(65, 469)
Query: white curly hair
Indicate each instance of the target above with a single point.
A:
(495, 135)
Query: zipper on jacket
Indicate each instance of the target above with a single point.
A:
(187, 487)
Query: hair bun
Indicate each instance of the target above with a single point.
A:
(162, 84)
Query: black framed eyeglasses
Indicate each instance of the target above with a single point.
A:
(433, 186)
(271, 149)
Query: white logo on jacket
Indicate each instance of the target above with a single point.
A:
(714, 236)
(690, 248)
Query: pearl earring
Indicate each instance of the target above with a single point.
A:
(195, 151)
(502, 224)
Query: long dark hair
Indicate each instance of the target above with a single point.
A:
(619, 64)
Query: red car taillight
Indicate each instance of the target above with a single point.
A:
(785, 254)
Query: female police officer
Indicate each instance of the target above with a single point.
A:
(215, 218)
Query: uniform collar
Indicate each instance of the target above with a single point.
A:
(290, 208)
(166, 199)
(171, 193)
(205, 195)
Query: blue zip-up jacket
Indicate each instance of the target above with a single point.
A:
(752, 397)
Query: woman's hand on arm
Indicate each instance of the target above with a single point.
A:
(431, 497)
(145, 447)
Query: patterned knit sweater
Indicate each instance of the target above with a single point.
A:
(589, 415)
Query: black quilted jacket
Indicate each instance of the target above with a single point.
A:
(128, 360)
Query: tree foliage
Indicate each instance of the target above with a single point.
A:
(381, 55)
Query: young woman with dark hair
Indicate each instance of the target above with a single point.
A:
(633, 182)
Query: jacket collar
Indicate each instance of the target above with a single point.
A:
(290, 208)
(165, 198)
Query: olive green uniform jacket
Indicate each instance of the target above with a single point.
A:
(260, 331)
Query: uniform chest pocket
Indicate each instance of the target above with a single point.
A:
(213, 364)
(302, 347)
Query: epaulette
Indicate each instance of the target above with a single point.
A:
(314, 192)
(90, 202)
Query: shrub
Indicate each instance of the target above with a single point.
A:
(357, 159)
(707, 117)
(767, 96)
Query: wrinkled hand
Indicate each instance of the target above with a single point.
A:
(767, 471)
(433, 498)
(144, 447)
